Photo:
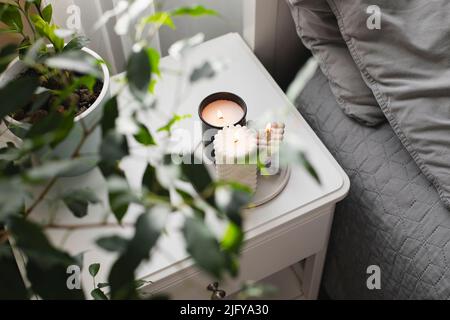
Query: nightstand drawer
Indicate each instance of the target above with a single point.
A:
(262, 256)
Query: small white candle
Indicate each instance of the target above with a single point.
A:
(236, 151)
(222, 113)
(269, 141)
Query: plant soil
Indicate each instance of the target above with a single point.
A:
(82, 98)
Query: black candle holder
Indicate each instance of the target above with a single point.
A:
(208, 130)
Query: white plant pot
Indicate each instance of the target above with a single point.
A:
(92, 115)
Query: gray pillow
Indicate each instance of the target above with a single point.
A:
(318, 29)
(407, 65)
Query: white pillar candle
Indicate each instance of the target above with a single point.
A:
(236, 151)
(222, 113)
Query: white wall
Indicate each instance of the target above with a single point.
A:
(229, 21)
(104, 40)
(274, 37)
(266, 25)
(270, 31)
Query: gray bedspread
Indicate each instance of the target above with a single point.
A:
(392, 218)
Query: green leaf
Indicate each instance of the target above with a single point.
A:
(231, 198)
(48, 31)
(102, 285)
(185, 196)
(139, 73)
(119, 203)
(197, 173)
(148, 228)
(94, 268)
(52, 129)
(51, 283)
(174, 120)
(10, 15)
(150, 181)
(110, 115)
(87, 81)
(40, 100)
(205, 71)
(12, 287)
(154, 58)
(11, 101)
(76, 43)
(7, 54)
(30, 239)
(308, 166)
(113, 243)
(233, 238)
(55, 168)
(114, 147)
(78, 201)
(46, 266)
(78, 61)
(151, 87)
(12, 197)
(47, 13)
(203, 247)
(144, 136)
(194, 11)
(160, 18)
(98, 294)
(120, 196)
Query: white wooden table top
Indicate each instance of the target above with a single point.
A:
(245, 77)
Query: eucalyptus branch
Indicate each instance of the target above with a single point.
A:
(41, 197)
(49, 186)
(86, 133)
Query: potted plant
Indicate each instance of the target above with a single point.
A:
(67, 78)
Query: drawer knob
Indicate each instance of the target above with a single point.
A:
(217, 294)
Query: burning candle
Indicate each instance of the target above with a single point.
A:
(220, 110)
(222, 113)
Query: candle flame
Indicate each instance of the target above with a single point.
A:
(220, 114)
(269, 128)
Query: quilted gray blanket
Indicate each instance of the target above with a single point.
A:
(392, 218)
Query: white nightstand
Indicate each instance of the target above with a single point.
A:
(293, 227)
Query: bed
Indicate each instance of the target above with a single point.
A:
(393, 217)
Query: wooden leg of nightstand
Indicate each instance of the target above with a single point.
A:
(313, 268)
(312, 275)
